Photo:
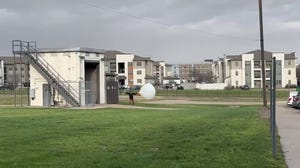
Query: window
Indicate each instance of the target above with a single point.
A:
(236, 73)
(22, 68)
(113, 67)
(139, 72)
(139, 80)
(236, 83)
(268, 74)
(289, 82)
(289, 72)
(97, 55)
(129, 63)
(121, 67)
(289, 62)
(256, 64)
(236, 63)
(257, 74)
(87, 54)
(268, 64)
(278, 82)
(139, 63)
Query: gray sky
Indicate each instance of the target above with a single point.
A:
(175, 31)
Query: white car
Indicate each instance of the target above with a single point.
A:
(291, 97)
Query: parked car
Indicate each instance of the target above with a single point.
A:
(179, 87)
(296, 101)
(245, 87)
(7, 87)
(167, 86)
(135, 89)
(290, 86)
(292, 97)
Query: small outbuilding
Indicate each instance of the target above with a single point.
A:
(67, 77)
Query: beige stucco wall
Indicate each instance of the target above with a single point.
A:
(124, 58)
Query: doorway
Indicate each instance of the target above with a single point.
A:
(92, 84)
(46, 95)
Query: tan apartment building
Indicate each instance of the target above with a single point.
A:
(134, 70)
(245, 69)
(7, 74)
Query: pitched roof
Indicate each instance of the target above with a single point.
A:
(257, 56)
(234, 57)
(111, 54)
(290, 56)
(268, 55)
(10, 59)
(139, 58)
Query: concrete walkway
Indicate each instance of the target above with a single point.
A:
(288, 123)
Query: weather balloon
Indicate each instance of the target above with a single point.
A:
(148, 91)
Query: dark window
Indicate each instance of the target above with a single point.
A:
(257, 74)
(268, 74)
(268, 64)
(257, 64)
(121, 67)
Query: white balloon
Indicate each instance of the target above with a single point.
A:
(148, 91)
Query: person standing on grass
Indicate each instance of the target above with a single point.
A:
(130, 95)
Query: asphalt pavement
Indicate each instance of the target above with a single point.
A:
(288, 124)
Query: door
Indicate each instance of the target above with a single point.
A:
(90, 94)
(46, 95)
(112, 92)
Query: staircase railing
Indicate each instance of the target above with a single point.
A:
(32, 52)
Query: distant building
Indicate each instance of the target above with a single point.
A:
(7, 66)
(201, 72)
(175, 69)
(245, 69)
(134, 70)
(110, 60)
(159, 71)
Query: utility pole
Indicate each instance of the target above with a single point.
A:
(262, 54)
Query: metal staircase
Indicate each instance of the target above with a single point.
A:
(29, 51)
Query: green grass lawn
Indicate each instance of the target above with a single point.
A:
(192, 136)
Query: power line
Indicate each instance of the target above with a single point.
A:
(144, 19)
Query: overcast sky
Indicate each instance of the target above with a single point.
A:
(175, 31)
